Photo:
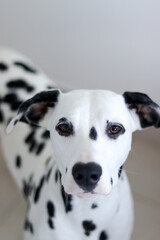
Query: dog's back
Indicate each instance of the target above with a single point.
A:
(28, 147)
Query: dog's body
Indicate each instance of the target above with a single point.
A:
(90, 134)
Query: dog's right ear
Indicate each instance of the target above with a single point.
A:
(144, 111)
(36, 110)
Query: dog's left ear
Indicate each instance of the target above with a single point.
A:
(36, 110)
(144, 111)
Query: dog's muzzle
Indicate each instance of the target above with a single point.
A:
(87, 175)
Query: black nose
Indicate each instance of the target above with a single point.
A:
(87, 175)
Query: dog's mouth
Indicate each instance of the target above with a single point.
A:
(90, 195)
(86, 195)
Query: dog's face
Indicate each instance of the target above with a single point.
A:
(90, 127)
(91, 132)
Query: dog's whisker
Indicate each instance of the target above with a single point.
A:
(134, 153)
(130, 172)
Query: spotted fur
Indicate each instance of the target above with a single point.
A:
(25, 67)
(58, 208)
(3, 67)
(93, 134)
(28, 226)
(88, 226)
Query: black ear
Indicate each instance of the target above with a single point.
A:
(36, 110)
(146, 109)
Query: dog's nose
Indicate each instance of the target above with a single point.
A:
(87, 175)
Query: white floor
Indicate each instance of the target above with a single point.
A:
(143, 167)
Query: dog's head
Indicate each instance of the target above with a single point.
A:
(91, 132)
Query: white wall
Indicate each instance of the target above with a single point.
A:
(112, 44)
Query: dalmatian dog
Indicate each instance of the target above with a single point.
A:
(67, 151)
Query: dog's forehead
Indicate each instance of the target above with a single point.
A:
(92, 102)
(91, 97)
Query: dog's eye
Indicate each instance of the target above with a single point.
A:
(114, 130)
(64, 129)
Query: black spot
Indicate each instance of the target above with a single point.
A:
(32, 146)
(46, 134)
(50, 223)
(94, 206)
(20, 84)
(60, 176)
(93, 133)
(25, 66)
(67, 199)
(28, 186)
(1, 116)
(3, 67)
(51, 213)
(57, 175)
(40, 148)
(88, 226)
(66, 170)
(30, 140)
(103, 236)
(18, 161)
(26, 189)
(48, 161)
(12, 100)
(38, 189)
(120, 171)
(48, 174)
(30, 137)
(50, 209)
(111, 181)
(28, 226)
